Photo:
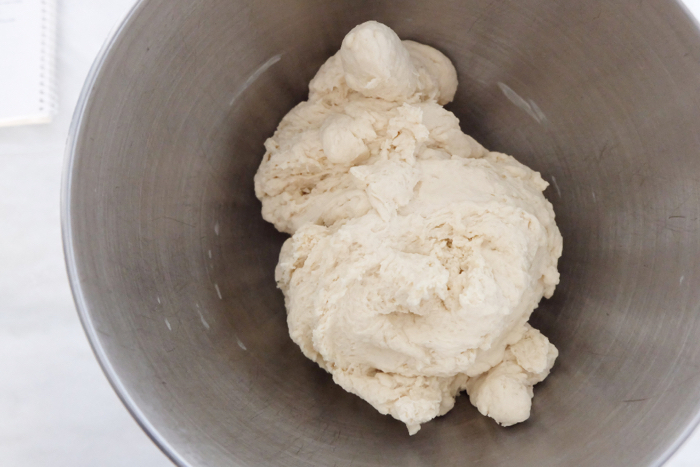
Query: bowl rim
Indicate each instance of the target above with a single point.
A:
(81, 303)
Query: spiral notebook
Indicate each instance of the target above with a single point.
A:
(27, 61)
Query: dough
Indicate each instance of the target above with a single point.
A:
(416, 255)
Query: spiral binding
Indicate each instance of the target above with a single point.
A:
(48, 96)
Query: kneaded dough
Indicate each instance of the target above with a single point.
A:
(416, 255)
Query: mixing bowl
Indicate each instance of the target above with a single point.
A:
(172, 265)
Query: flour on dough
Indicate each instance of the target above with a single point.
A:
(416, 255)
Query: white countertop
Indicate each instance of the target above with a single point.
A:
(56, 407)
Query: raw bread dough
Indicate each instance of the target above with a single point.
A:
(416, 256)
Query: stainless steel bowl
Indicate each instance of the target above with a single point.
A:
(172, 265)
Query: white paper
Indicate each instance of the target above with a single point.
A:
(27, 61)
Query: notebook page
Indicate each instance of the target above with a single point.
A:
(27, 56)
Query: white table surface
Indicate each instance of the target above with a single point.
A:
(56, 407)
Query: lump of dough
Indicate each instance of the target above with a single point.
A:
(436, 292)
(437, 76)
(416, 256)
(376, 64)
(504, 393)
(305, 174)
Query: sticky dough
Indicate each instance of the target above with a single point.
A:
(416, 255)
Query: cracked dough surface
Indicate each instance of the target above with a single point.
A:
(416, 255)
